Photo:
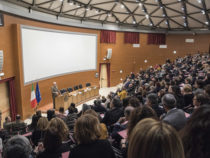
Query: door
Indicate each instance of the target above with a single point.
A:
(103, 76)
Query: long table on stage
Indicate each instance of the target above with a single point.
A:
(78, 97)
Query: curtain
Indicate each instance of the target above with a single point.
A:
(131, 37)
(108, 73)
(108, 36)
(12, 100)
(158, 39)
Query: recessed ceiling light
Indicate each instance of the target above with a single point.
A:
(122, 6)
(147, 16)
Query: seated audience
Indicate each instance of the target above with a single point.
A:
(195, 134)
(18, 127)
(113, 115)
(72, 105)
(39, 132)
(152, 101)
(71, 118)
(154, 139)
(50, 114)
(188, 95)
(87, 133)
(17, 147)
(7, 125)
(98, 107)
(200, 99)
(122, 94)
(61, 114)
(103, 129)
(175, 117)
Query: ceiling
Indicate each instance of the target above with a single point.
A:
(180, 15)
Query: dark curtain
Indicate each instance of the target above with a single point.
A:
(12, 100)
(157, 39)
(131, 37)
(13, 110)
(108, 36)
(108, 73)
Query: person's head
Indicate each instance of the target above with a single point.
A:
(52, 140)
(42, 124)
(54, 84)
(168, 101)
(125, 101)
(199, 83)
(115, 102)
(85, 107)
(87, 129)
(7, 119)
(97, 102)
(152, 99)
(200, 99)
(154, 139)
(195, 134)
(72, 105)
(127, 112)
(187, 89)
(61, 110)
(139, 114)
(60, 126)
(35, 119)
(71, 110)
(175, 90)
(18, 117)
(91, 112)
(39, 113)
(133, 101)
(17, 147)
(103, 99)
(50, 114)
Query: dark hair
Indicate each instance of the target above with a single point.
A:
(133, 101)
(200, 83)
(17, 147)
(195, 134)
(50, 114)
(18, 117)
(73, 105)
(139, 114)
(153, 98)
(176, 90)
(154, 139)
(125, 101)
(202, 98)
(116, 102)
(207, 89)
(61, 109)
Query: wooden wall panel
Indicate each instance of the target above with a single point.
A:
(124, 57)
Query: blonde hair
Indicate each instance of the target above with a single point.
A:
(42, 124)
(60, 126)
(154, 139)
(187, 88)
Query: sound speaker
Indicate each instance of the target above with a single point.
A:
(109, 53)
(1, 20)
(1, 60)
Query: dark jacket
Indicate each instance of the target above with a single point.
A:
(97, 149)
(112, 116)
(176, 118)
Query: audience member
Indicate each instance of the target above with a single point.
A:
(61, 114)
(154, 139)
(87, 133)
(18, 127)
(175, 117)
(195, 134)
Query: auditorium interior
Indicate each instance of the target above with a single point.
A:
(134, 73)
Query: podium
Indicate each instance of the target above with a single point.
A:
(77, 97)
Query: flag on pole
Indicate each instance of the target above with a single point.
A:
(38, 94)
(33, 97)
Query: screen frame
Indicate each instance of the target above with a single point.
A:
(56, 31)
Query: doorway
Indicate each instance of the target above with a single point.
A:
(104, 75)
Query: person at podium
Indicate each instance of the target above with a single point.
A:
(55, 92)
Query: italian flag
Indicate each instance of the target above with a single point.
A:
(33, 97)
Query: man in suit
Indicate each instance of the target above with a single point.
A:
(175, 117)
(55, 92)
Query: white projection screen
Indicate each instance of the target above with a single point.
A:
(48, 53)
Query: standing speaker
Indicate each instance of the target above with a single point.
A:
(109, 53)
(1, 60)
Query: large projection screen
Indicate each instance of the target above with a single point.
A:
(48, 53)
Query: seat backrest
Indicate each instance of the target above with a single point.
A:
(80, 86)
(76, 87)
(88, 84)
(69, 89)
(63, 91)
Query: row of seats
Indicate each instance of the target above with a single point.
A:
(70, 89)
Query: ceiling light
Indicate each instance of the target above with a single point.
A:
(147, 16)
(145, 61)
(134, 22)
(96, 11)
(122, 6)
(199, 1)
(140, 4)
(203, 11)
(206, 22)
(109, 14)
